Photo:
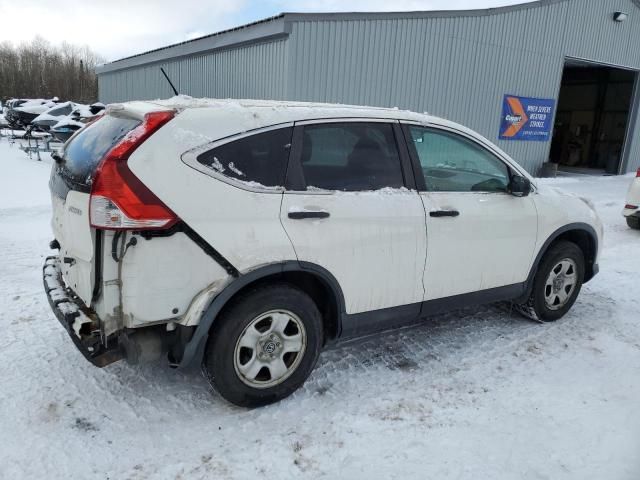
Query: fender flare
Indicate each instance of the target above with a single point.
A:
(194, 349)
(585, 227)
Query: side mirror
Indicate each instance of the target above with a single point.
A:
(519, 186)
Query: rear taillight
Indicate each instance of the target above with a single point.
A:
(630, 207)
(119, 200)
(638, 173)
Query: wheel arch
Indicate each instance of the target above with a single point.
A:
(313, 279)
(583, 235)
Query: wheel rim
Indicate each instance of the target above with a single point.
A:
(270, 348)
(560, 284)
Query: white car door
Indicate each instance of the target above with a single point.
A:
(480, 237)
(351, 214)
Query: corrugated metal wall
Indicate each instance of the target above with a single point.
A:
(458, 67)
(253, 71)
(461, 67)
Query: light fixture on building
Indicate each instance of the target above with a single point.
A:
(620, 16)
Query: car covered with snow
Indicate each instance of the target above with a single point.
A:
(244, 236)
(53, 115)
(632, 207)
(64, 119)
(22, 112)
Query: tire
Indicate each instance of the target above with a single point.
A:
(547, 302)
(248, 347)
(633, 222)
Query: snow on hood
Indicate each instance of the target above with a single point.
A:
(35, 108)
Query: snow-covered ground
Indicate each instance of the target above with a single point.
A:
(478, 394)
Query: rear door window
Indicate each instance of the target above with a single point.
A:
(259, 159)
(82, 154)
(354, 156)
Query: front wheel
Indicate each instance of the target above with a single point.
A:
(557, 283)
(264, 345)
(634, 222)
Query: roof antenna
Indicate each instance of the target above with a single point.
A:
(169, 80)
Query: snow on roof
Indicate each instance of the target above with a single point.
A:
(288, 110)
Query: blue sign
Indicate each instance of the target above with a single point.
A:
(526, 118)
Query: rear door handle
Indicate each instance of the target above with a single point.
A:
(308, 214)
(444, 213)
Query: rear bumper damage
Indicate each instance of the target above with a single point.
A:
(82, 325)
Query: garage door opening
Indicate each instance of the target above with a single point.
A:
(592, 118)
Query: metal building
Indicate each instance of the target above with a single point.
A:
(576, 62)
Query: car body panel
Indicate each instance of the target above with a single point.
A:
(225, 215)
(150, 276)
(633, 198)
(374, 243)
(70, 224)
(490, 244)
(557, 208)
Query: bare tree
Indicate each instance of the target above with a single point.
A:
(38, 69)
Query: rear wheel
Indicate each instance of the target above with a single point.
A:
(634, 222)
(264, 345)
(557, 283)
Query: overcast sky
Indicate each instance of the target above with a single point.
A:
(118, 28)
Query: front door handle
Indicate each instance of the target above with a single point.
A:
(308, 214)
(444, 213)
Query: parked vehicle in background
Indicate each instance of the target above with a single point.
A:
(63, 120)
(65, 128)
(23, 111)
(11, 103)
(632, 208)
(53, 115)
(246, 235)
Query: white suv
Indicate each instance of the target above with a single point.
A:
(246, 235)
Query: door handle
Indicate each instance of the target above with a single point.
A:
(444, 213)
(308, 214)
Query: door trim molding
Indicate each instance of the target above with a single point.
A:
(367, 323)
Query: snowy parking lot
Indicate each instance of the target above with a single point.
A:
(477, 394)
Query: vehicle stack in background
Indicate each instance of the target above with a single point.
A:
(42, 122)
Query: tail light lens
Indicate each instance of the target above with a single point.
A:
(630, 207)
(119, 200)
(638, 173)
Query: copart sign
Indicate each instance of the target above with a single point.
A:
(526, 118)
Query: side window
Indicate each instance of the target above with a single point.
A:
(452, 163)
(260, 158)
(351, 157)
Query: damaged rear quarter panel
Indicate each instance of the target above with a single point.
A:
(161, 277)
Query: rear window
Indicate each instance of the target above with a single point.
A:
(260, 158)
(83, 153)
